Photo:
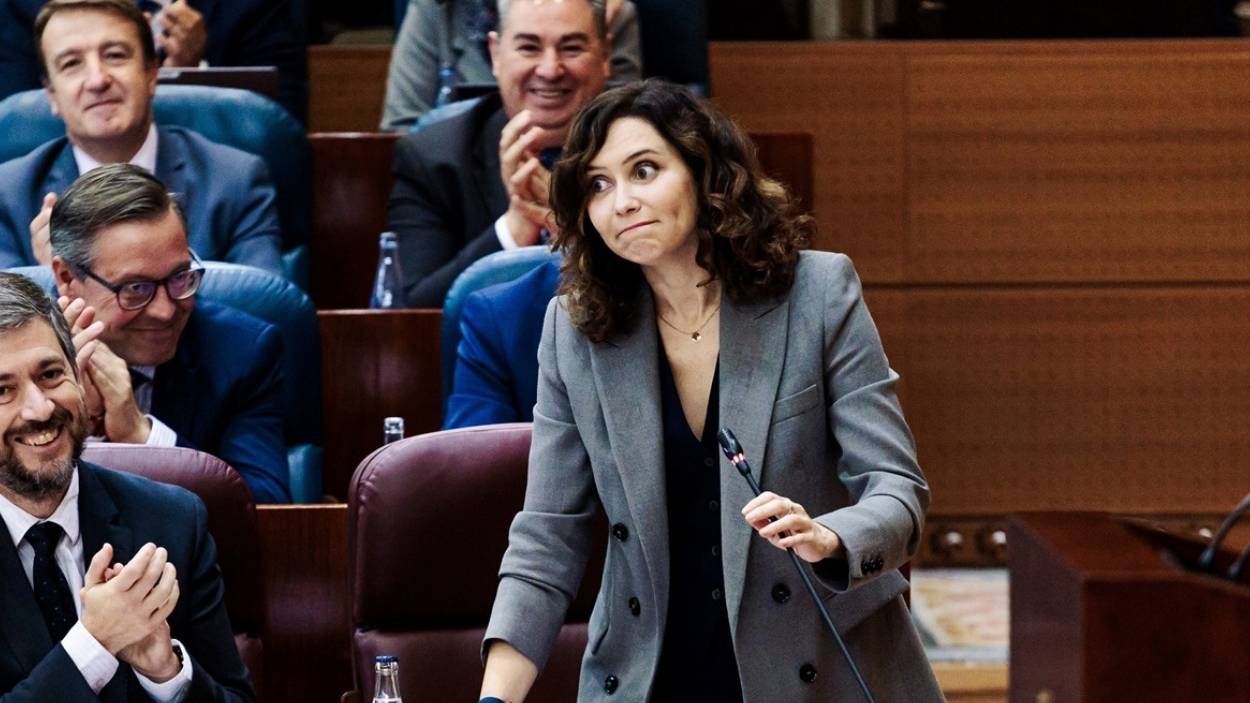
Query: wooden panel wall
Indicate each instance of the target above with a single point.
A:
(1014, 161)
(346, 86)
(1054, 238)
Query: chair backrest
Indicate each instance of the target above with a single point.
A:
(231, 522)
(426, 597)
(230, 116)
(443, 112)
(500, 267)
(282, 304)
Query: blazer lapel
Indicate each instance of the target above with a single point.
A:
(491, 190)
(22, 624)
(752, 353)
(100, 521)
(171, 168)
(628, 385)
(173, 388)
(60, 177)
(99, 518)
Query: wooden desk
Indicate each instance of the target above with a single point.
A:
(1100, 615)
(375, 364)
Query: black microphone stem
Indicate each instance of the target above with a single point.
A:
(733, 451)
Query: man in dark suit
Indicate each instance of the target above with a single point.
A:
(496, 377)
(100, 73)
(108, 582)
(219, 32)
(476, 183)
(167, 370)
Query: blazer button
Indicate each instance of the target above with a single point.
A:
(610, 684)
(635, 607)
(620, 531)
(781, 593)
(807, 673)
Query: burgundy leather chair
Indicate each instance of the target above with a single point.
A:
(428, 524)
(231, 522)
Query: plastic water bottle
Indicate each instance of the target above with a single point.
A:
(388, 285)
(392, 429)
(386, 682)
(446, 85)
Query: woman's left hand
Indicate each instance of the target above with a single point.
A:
(793, 529)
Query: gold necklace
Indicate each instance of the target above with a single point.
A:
(697, 334)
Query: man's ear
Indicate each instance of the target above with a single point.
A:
(63, 276)
(47, 88)
(492, 42)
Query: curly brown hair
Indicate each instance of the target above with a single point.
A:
(750, 230)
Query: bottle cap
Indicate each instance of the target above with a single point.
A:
(386, 659)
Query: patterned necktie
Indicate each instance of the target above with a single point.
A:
(51, 589)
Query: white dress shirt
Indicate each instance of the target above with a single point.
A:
(161, 435)
(92, 659)
(144, 158)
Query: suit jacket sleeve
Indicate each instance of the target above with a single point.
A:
(551, 538)
(432, 246)
(19, 70)
(54, 678)
(626, 45)
(483, 391)
(12, 253)
(259, 33)
(218, 674)
(878, 466)
(252, 441)
(412, 80)
(255, 235)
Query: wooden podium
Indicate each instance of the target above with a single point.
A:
(1103, 610)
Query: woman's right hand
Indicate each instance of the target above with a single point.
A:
(509, 674)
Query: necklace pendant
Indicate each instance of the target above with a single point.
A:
(696, 336)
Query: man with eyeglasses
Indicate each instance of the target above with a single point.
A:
(168, 370)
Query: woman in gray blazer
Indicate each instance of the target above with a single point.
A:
(686, 305)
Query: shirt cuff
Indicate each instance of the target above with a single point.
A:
(505, 236)
(93, 661)
(161, 435)
(173, 690)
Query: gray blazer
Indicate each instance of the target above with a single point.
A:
(806, 387)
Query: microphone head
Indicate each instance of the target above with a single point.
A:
(728, 443)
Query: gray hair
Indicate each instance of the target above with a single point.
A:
(598, 9)
(103, 197)
(22, 301)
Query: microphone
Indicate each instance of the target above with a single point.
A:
(1207, 561)
(736, 456)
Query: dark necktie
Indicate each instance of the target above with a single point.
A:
(149, 6)
(51, 589)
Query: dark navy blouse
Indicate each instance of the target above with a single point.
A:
(697, 657)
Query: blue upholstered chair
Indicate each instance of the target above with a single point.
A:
(443, 112)
(282, 304)
(237, 118)
(500, 267)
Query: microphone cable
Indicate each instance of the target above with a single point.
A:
(733, 451)
(1206, 562)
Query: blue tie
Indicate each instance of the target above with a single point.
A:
(51, 589)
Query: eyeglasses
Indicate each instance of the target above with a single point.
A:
(134, 295)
